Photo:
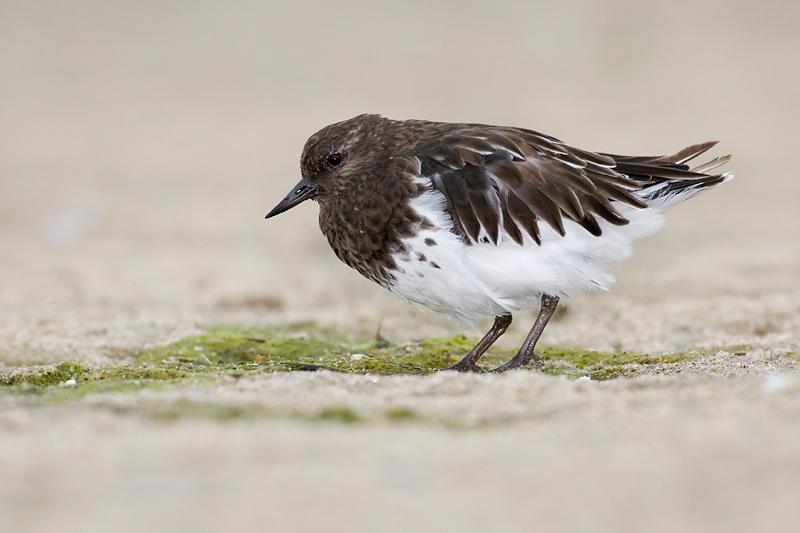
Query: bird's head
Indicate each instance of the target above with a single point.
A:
(335, 157)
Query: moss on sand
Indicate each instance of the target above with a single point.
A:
(297, 350)
(230, 354)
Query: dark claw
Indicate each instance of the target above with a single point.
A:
(458, 367)
(536, 360)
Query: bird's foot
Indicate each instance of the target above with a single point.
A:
(459, 367)
(520, 362)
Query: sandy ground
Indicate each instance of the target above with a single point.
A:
(142, 143)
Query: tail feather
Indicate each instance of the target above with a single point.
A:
(689, 153)
(667, 194)
(711, 165)
(669, 180)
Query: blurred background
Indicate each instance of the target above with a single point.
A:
(142, 143)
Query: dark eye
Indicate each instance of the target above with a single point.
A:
(335, 159)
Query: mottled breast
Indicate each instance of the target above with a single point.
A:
(366, 227)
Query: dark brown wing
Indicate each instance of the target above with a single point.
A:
(520, 178)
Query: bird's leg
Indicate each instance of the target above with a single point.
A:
(526, 353)
(467, 364)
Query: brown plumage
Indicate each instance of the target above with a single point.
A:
(498, 185)
(486, 171)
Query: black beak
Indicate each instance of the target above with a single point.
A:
(300, 193)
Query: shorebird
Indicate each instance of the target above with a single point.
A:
(472, 220)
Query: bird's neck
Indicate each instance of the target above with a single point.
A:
(366, 226)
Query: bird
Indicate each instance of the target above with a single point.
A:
(473, 220)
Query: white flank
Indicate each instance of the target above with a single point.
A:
(485, 279)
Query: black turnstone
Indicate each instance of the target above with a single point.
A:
(472, 220)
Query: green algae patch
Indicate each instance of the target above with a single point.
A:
(603, 365)
(230, 354)
(297, 350)
(183, 409)
(171, 411)
(41, 376)
(284, 351)
(225, 346)
(339, 414)
(439, 352)
(69, 380)
(400, 414)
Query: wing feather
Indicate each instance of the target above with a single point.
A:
(509, 179)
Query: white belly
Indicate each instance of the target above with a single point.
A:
(465, 282)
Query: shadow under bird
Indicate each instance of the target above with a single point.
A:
(472, 220)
